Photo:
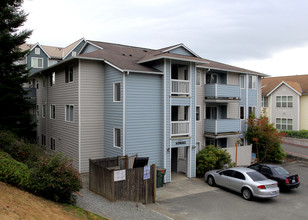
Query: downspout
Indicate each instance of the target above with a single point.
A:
(124, 111)
(79, 119)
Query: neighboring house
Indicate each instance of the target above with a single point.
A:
(164, 104)
(285, 101)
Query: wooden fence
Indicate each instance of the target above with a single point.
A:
(133, 188)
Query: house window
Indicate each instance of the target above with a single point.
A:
(197, 113)
(284, 124)
(52, 79)
(264, 101)
(74, 53)
(251, 110)
(43, 140)
(36, 62)
(198, 146)
(37, 110)
(69, 73)
(117, 92)
(284, 101)
(242, 112)
(242, 82)
(37, 50)
(69, 113)
(211, 113)
(252, 80)
(37, 84)
(44, 111)
(52, 111)
(211, 78)
(117, 137)
(52, 144)
(198, 78)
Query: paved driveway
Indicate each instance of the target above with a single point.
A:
(216, 203)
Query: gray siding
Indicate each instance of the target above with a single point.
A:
(144, 116)
(113, 111)
(41, 55)
(89, 48)
(91, 112)
(76, 49)
(182, 51)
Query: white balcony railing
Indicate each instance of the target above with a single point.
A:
(179, 128)
(180, 87)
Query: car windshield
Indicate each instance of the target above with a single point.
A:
(281, 170)
(256, 176)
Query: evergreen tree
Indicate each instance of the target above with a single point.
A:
(14, 109)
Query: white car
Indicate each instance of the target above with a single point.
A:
(248, 182)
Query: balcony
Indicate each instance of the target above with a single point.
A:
(180, 87)
(222, 91)
(179, 128)
(217, 126)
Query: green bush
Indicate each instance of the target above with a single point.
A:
(54, 178)
(20, 150)
(28, 167)
(211, 158)
(297, 134)
(14, 172)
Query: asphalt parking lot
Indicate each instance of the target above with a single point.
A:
(224, 204)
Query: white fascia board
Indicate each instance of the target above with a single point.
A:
(88, 42)
(283, 82)
(182, 45)
(114, 66)
(37, 44)
(173, 58)
(233, 71)
(74, 48)
(147, 72)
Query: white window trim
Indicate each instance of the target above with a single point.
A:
(114, 133)
(252, 77)
(53, 79)
(286, 123)
(198, 106)
(65, 110)
(242, 76)
(240, 112)
(51, 144)
(252, 107)
(113, 91)
(198, 73)
(68, 74)
(37, 58)
(198, 149)
(287, 101)
(37, 50)
(50, 109)
(43, 141)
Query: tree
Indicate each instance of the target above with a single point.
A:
(15, 110)
(266, 140)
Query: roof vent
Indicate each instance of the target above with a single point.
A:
(145, 51)
(123, 54)
(130, 55)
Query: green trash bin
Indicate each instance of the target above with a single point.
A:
(160, 173)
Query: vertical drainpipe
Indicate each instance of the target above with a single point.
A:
(298, 112)
(79, 119)
(165, 114)
(124, 111)
(246, 107)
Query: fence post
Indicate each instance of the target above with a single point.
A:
(126, 162)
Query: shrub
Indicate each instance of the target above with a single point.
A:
(13, 172)
(212, 157)
(297, 134)
(54, 178)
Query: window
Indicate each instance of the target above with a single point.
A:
(36, 62)
(197, 113)
(242, 112)
(117, 92)
(52, 111)
(37, 110)
(198, 146)
(227, 173)
(266, 170)
(37, 84)
(211, 78)
(251, 110)
(37, 50)
(252, 80)
(238, 175)
(43, 140)
(284, 101)
(284, 124)
(264, 101)
(242, 82)
(44, 111)
(198, 78)
(211, 113)
(74, 53)
(69, 72)
(69, 113)
(52, 79)
(117, 137)
(52, 144)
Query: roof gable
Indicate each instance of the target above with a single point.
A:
(180, 49)
(289, 86)
(38, 45)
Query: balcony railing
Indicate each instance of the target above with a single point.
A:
(179, 128)
(222, 91)
(222, 125)
(180, 87)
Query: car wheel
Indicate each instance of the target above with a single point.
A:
(211, 181)
(247, 194)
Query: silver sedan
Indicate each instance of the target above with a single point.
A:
(248, 182)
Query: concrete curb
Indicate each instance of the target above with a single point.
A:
(296, 157)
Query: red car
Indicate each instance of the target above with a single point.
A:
(275, 172)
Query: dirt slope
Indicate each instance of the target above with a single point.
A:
(17, 204)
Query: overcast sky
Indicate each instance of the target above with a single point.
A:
(269, 36)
